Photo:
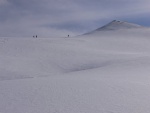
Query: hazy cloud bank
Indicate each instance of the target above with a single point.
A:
(62, 17)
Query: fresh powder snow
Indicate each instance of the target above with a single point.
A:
(104, 71)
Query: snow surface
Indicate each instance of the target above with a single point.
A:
(117, 24)
(104, 71)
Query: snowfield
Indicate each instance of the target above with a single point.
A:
(104, 71)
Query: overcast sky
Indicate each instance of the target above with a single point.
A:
(62, 17)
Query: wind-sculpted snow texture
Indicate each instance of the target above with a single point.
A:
(104, 71)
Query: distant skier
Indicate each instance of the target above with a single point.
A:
(68, 35)
(36, 36)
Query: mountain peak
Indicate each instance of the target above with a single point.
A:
(117, 24)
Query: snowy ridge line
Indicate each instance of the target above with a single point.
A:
(118, 25)
(2, 78)
(110, 63)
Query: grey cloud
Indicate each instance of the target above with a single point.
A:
(69, 15)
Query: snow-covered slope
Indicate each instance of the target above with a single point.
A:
(117, 24)
(101, 72)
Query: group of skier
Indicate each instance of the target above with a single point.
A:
(35, 36)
